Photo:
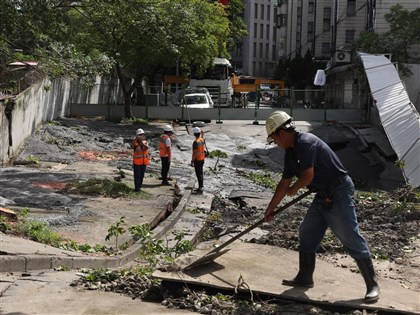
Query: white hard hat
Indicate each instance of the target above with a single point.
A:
(167, 128)
(276, 120)
(139, 132)
(196, 130)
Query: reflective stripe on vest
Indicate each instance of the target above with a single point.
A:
(162, 145)
(199, 151)
(141, 156)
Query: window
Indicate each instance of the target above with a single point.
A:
(267, 50)
(274, 53)
(310, 32)
(267, 31)
(274, 34)
(255, 11)
(351, 7)
(326, 22)
(255, 30)
(327, 13)
(282, 20)
(261, 31)
(254, 52)
(310, 27)
(261, 50)
(268, 12)
(311, 7)
(350, 36)
(262, 11)
(299, 16)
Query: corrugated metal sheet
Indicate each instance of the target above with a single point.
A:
(399, 117)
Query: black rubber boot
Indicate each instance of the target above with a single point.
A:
(306, 270)
(368, 273)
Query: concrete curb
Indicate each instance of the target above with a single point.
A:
(28, 262)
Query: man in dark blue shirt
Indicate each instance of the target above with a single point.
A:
(317, 167)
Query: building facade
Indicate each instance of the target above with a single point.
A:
(327, 27)
(257, 54)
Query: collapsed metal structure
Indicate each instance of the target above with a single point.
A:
(398, 116)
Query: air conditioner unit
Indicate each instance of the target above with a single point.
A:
(342, 56)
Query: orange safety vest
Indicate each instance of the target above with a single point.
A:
(199, 151)
(141, 154)
(162, 146)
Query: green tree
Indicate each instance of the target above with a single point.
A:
(404, 32)
(297, 72)
(237, 27)
(145, 36)
(41, 30)
(28, 25)
(131, 39)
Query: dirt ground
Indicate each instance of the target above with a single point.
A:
(389, 220)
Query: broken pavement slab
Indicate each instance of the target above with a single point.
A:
(20, 254)
(262, 268)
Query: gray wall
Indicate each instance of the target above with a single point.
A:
(104, 91)
(172, 113)
(41, 102)
(4, 134)
(48, 100)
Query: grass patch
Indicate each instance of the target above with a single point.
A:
(263, 179)
(40, 231)
(33, 159)
(241, 147)
(217, 154)
(134, 120)
(103, 187)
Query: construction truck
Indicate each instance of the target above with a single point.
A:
(217, 80)
(246, 88)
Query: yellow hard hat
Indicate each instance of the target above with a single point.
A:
(277, 119)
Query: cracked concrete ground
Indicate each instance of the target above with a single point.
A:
(244, 142)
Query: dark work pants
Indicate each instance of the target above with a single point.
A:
(139, 171)
(198, 167)
(166, 163)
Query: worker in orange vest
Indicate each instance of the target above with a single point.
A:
(165, 152)
(141, 158)
(198, 156)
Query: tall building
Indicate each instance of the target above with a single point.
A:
(281, 29)
(257, 54)
(327, 27)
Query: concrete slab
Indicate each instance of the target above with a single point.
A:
(14, 245)
(374, 136)
(262, 268)
(50, 293)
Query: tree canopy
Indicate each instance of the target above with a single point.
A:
(403, 33)
(135, 38)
